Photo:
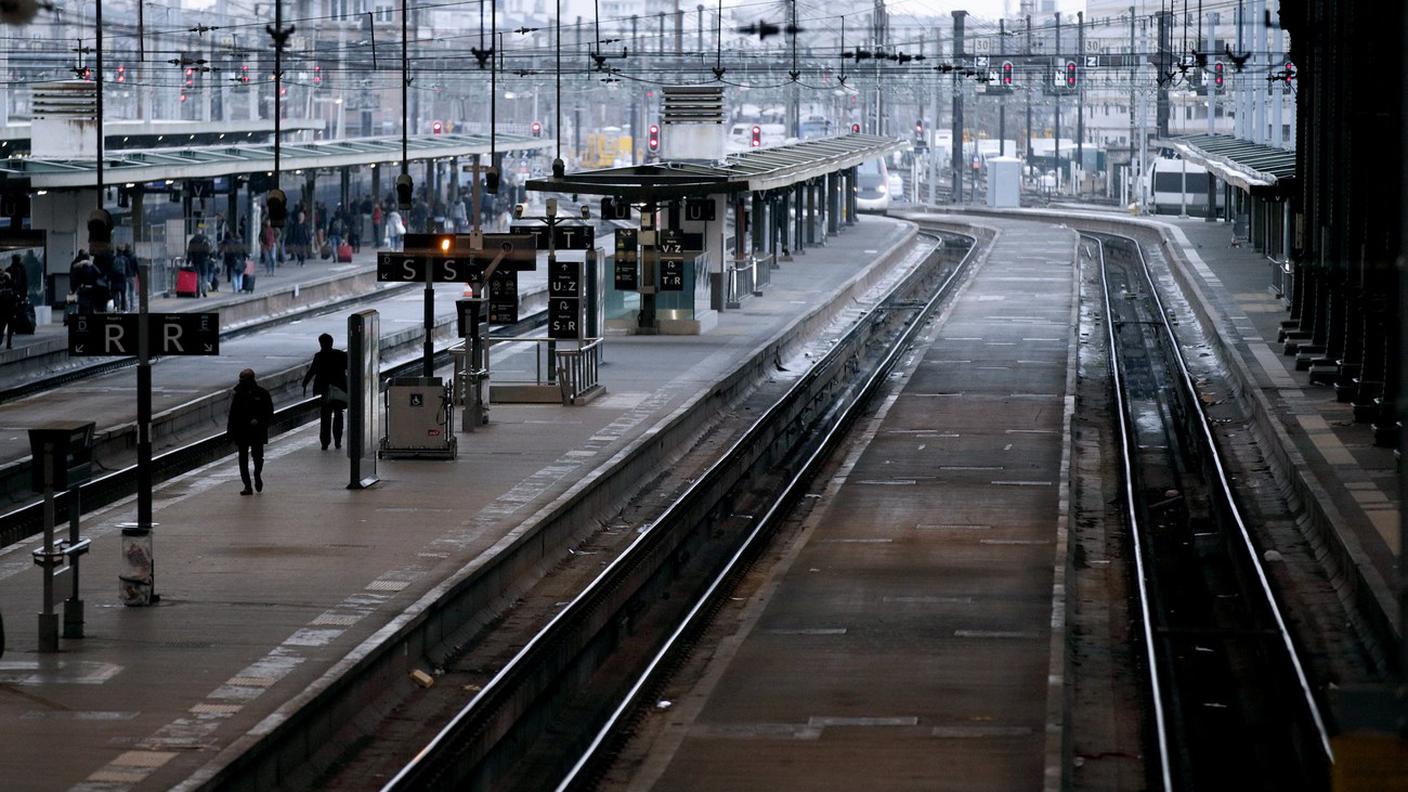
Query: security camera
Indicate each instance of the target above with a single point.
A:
(518, 210)
(586, 212)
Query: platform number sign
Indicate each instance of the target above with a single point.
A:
(565, 299)
(503, 297)
(671, 274)
(625, 264)
(114, 334)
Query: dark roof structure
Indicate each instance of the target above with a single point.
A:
(1253, 167)
(756, 170)
(205, 162)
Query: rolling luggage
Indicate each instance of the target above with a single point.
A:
(187, 282)
(247, 285)
(344, 253)
(24, 319)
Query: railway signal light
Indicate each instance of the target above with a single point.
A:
(652, 140)
(437, 128)
(404, 189)
(317, 76)
(244, 73)
(855, 129)
(121, 75)
(1290, 73)
(757, 136)
(919, 128)
(537, 129)
(1071, 75)
(1217, 75)
(1007, 74)
(278, 208)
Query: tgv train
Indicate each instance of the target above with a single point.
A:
(1174, 184)
(873, 186)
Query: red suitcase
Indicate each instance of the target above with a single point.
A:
(187, 282)
(344, 253)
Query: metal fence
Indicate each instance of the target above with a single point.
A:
(579, 371)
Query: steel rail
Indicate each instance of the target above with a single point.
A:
(1224, 488)
(1225, 485)
(421, 770)
(1127, 443)
(21, 522)
(783, 500)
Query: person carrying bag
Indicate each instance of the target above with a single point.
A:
(328, 373)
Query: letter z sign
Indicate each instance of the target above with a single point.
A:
(111, 335)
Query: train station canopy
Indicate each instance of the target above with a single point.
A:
(755, 170)
(142, 166)
(1252, 167)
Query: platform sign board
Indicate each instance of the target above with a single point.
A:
(567, 237)
(699, 209)
(363, 396)
(455, 258)
(679, 245)
(110, 334)
(671, 274)
(564, 299)
(626, 262)
(503, 297)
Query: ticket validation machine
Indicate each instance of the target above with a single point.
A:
(63, 458)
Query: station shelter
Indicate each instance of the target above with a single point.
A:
(710, 232)
(1258, 183)
(47, 199)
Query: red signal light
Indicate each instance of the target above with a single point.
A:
(317, 75)
(653, 138)
(1217, 74)
(757, 136)
(1070, 74)
(437, 127)
(537, 129)
(121, 74)
(1007, 74)
(855, 129)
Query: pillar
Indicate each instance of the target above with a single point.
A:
(784, 224)
(758, 223)
(851, 196)
(811, 213)
(799, 245)
(832, 203)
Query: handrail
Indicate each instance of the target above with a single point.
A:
(579, 371)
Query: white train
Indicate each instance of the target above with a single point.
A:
(1173, 184)
(873, 186)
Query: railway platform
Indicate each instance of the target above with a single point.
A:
(268, 601)
(913, 630)
(289, 288)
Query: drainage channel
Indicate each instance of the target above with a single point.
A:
(1231, 703)
(549, 714)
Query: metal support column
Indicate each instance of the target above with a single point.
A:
(810, 188)
(833, 204)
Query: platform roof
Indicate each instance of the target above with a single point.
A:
(755, 170)
(205, 162)
(1253, 167)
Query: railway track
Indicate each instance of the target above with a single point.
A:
(27, 520)
(1232, 706)
(552, 713)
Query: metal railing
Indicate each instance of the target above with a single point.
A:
(741, 279)
(579, 371)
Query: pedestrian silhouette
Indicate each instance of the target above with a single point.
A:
(251, 412)
(328, 373)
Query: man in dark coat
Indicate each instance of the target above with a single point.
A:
(251, 413)
(327, 372)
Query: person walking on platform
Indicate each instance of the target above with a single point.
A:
(251, 413)
(198, 255)
(9, 307)
(328, 373)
